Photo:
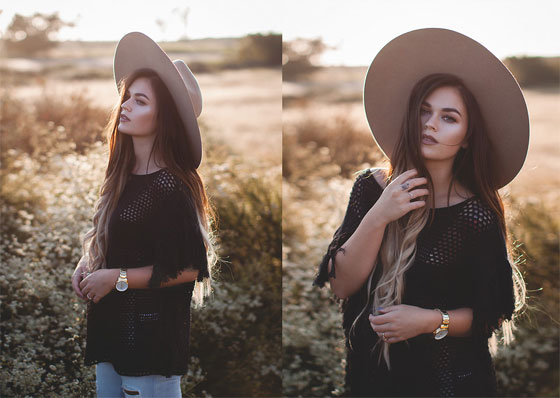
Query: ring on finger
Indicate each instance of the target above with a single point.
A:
(383, 336)
(411, 196)
(405, 186)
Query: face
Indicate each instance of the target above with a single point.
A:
(140, 108)
(444, 118)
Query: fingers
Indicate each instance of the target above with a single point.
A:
(380, 325)
(416, 205)
(89, 295)
(379, 319)
(384, 332)
(76, 286)
(381, 328)
(416, 193)
(414, 182)
(405, 182)
(405, 176)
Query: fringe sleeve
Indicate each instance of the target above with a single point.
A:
(493, 292)
(365, 193)
(179, 244)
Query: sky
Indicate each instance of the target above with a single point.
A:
(357, 29)
(360, 28)
(110, 20)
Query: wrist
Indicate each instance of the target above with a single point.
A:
(114, 276)
(375, 219)
(433, 320)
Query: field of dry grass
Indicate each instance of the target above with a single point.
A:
(241, 107)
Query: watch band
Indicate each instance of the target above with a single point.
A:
(443, 329)
(122, 281)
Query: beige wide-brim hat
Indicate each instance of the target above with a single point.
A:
(137, 51)
(409, 57)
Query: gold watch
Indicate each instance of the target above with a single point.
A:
(443, 329)
(122, 282)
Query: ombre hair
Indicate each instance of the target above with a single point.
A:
(172, 145)
(470, 168)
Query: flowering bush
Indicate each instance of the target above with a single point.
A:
(315, 194)
(48, 190)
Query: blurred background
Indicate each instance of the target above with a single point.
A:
(327, 49)
(56, 93)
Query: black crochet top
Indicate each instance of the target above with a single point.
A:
(146, 331)
(461, 261)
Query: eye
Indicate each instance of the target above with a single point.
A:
(140, 102)
(424, 111)
(450, 119)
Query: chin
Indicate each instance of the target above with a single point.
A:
(124, 130)
(431, 155)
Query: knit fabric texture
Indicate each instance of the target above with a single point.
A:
(461, 261)
(146, 331)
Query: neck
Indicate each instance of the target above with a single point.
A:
(441, 176)
(145, 163)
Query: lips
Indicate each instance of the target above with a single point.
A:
(123, 117)
(428, 139)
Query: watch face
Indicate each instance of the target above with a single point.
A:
(122, 286)
(441, 333)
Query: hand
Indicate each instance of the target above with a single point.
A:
(395, 201)
(99, 283)
(78, 275)
(401, 322)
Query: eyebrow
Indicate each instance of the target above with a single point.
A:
(140, 95)
(444, 109)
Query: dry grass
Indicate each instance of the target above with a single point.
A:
(242, 108)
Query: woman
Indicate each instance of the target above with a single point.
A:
(420, 258)
(147, 250)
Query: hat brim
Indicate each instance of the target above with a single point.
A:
(137, 51)
(410, 57)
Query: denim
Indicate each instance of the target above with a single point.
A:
(112, 385)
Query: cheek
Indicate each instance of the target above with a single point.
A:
(147, 118)
(456, 132)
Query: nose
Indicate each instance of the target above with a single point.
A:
(431, 122)
(125, 106)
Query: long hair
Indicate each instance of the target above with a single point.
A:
(470, 168)
(172, 145)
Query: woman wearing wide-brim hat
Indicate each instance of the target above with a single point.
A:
(146, 256)
(421, 259)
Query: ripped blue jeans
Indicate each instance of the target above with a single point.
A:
(112, 385)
